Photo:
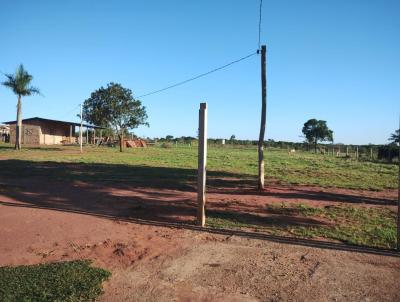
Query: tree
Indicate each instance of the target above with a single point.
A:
(233, 138)
(19, 83)
(395, 137)
(317, 130)
(114, 107)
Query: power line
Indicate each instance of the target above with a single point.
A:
(216, 69)
(69, 112)
(198, 76)
(259, 24)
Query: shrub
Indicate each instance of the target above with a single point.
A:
(388, 152)
(166, 145)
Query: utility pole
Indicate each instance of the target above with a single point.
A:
(80, 130)
(263, 119)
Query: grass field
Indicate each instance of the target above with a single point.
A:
(347, 216)
(374, 227)
(63, 281)
(175, 168)
(301, 168)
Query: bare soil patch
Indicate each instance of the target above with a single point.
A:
(141, 235)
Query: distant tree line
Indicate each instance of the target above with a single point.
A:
(171, 139)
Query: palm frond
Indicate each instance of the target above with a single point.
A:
(19, 82)
(10, 83)
(33, 90)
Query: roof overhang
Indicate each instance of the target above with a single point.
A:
(55, 121)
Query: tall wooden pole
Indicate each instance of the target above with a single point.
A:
(80, 130)
(202, 164)
(263, 118)
(398, 206)
(398, 201)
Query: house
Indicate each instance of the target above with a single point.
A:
(42, 131)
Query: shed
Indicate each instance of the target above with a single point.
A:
(43, 131)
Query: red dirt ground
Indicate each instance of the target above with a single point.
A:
(136, 233)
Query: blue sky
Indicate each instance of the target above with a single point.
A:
(336, 60)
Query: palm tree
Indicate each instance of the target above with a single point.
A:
(19, 83)
(395, 137)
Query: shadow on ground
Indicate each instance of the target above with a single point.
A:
(149, 195)
(9, 146)
(299, 193)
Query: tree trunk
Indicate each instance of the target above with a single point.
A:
(18, 128)
(121, 141)
(315, 146)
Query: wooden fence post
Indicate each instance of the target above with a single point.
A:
(202, 164)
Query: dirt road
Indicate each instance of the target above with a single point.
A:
(157, 262)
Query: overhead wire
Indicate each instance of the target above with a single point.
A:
(198, 76)
(211, 71)
(64, 115)
(208, 72)
(215, 69)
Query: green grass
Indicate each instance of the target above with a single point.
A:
(301, 168)
(175, 168)
(374, 227)
(62, 281)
